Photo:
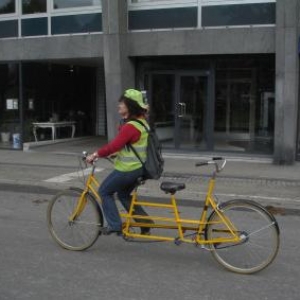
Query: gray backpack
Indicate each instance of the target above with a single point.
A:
(154, 164)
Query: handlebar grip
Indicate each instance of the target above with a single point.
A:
(84, 155)
(201, 163)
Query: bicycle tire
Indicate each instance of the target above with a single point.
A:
(81, 233)
(259, 236)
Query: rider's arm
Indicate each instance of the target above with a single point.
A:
(127, 134)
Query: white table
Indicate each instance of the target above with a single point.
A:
(53, 126)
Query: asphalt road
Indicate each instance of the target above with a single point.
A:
(45, 176)
(34, 267)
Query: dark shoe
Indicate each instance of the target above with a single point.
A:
(145, 230)
(109, 231)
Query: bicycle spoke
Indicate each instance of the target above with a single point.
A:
(261, 229)
(259, 237)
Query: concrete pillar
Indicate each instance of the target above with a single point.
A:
(287, 81)
(118, 68)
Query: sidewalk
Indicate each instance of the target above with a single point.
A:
(184, 163)
(256, 178)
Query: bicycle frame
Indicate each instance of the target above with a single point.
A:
(198, 227)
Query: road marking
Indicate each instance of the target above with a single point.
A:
(258, 197)
(71, 176)
(194, 195)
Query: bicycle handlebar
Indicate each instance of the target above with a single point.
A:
(213, 161)
(85, 154)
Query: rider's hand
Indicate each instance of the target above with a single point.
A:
(112, 156)
(92, 157)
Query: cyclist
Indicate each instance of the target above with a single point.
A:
(127, 167)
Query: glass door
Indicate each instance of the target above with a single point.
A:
(179, 110)
(234, 115)
(191, 112)
(161, 91)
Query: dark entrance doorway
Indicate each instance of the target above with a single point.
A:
(61, 92)
(216, 103)
(46, 92)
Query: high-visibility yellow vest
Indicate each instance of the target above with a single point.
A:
(126, 160)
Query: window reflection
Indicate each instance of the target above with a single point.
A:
(138, 1)
(12, 104)
(244, 106)
(7, 6)
(34, 26)
(75, 3)
(9, 28)
(239, 14)
(162, 97)
(34, 6)
(76, 23)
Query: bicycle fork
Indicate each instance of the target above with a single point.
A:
(91, 185)
(79, 207)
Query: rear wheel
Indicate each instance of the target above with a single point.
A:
(83, 231)
(258, 234)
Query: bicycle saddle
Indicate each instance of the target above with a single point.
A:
(172, 187)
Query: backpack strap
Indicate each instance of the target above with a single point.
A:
(141, 123)
(131, 147)
(136, 154)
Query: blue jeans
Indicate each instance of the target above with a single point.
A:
(121, 183)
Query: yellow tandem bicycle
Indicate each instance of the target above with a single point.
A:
(240, 234)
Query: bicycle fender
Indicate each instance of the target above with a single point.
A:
(238, 201)
(250, 202)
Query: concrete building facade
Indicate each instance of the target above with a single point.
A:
(220, 75)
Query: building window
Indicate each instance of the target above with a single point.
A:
(12, 104)
(162, 18)
(34, 6)
(239, 14)
(245, 104)
(60, 4)
(7, 7)
(34, 26)
(8, 28)
(139, 1)
(76, 24)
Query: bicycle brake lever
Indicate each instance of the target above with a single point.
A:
(84, 155)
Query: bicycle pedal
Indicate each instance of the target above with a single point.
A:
(127, 238)
(146, 233)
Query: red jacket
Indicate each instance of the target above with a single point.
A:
(127, 134)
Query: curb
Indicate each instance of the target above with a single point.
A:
(29, 145)
(264, 181)
(182, 200)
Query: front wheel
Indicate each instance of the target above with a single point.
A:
(81, 232)
(257, 232)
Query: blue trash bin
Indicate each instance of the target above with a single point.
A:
(16, 140)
